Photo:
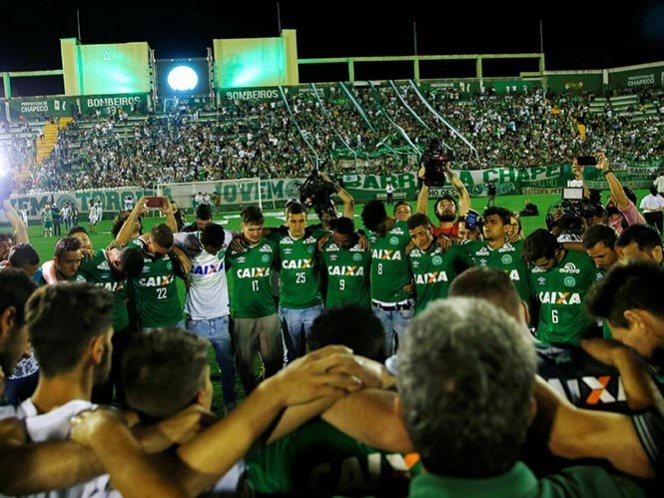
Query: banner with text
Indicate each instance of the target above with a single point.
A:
(108, 105)
(35, 108)
(637, 78)
(112, 201)
(231, 195)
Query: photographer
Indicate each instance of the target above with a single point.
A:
(446, 209)
(316, 193)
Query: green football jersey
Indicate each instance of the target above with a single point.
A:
(250, 272)
(433, 272)
(97, 271)
(506, 258)
(299, 272)
(155, 291)
(347, 275)
(560, 292)
(389, 264)
(319, 460)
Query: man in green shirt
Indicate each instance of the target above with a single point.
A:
(155, 292)
(300, 297)
(599, 241)
(433, 269)
(559, 280)
(495, 251)
(391, 285)
(347, 267)
(256, 325)
(467, 416)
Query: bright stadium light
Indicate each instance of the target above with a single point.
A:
(182, 79)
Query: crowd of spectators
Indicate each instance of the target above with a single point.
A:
(382, 126)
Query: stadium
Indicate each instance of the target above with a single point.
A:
(330, 275)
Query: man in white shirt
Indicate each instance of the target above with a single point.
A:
(74, 354)
(652, 206)
(207, 303)
(659, 183)
(389, 191)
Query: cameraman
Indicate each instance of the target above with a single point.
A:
(327, 212)
(446, 209)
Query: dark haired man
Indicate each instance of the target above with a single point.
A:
(402, 211)
(496, 251)
(599, 241)
(559, 280)
(157, 390)
(15, 289)
(74, 355)
(207, 305)
(203, 215)
(65, 263)
(256, 327)
(347, 266)
(300, 297)
(433, 269)
(81, 234)
(155, 291)
(24, 257)
(446, 208)
(391, 287)
(640, 242)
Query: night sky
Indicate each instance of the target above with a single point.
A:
(577, 35)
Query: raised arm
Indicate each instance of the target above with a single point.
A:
(167, 210)
(617, 191)
(15, 220)
(124, 236)
(346, 198)
(464, 196)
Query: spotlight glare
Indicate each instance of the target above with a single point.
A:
(182, 79)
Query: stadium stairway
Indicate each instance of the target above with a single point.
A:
(46, 145)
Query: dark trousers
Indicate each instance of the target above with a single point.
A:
(655, 219)
(257, 335)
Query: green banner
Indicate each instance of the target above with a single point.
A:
(268, 94)
(637, 78)
(112, 200)
(30, 108)
(575, 83)
(232, 195)
(108, 105)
